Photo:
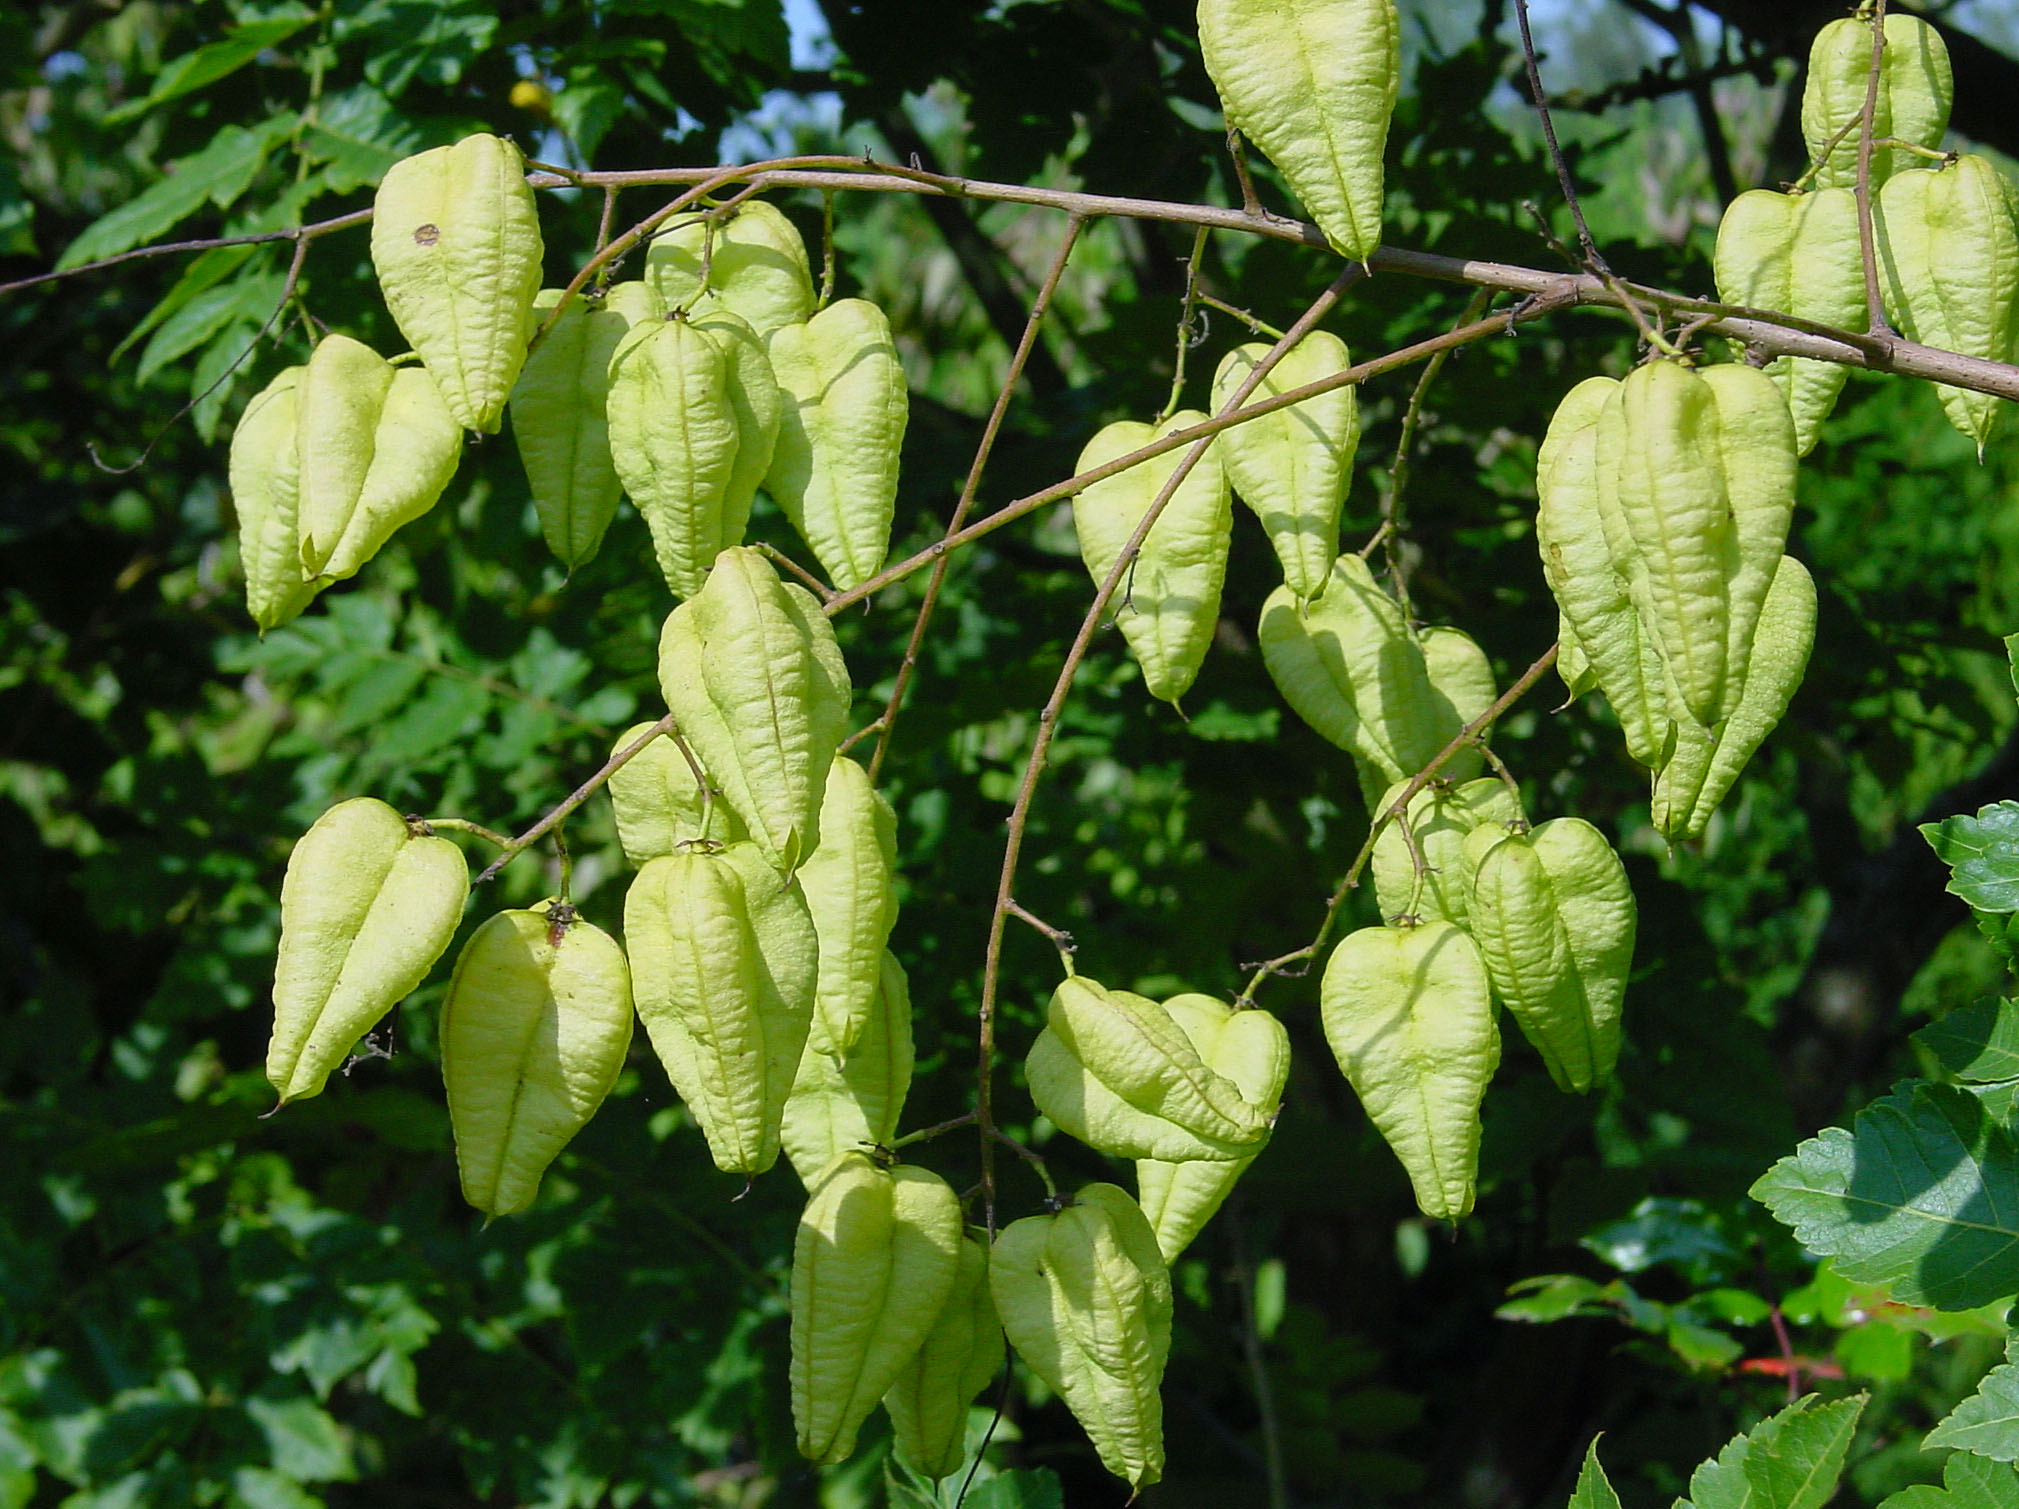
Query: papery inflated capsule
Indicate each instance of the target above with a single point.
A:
(1409, 1015)
(375, 447)
(844, 1098)
(1915, 91)
(1251, 1049)
(1169, 602)
(1554, 920)
(674, 440)
(1349, 666)
(754, 263)
(559, 416)
(1313, 84)
(1292, 467)
(841, 427)
(1440, 816)
(850, 882)
(1084, 1295)
(960, 1356)
(722, 965)
(876, 1253)
(750, 669)
(1796, 254)
(456, 242)
(265, 476)
(368, 905)
(1948, 248)
(534, 1031)
(659, 800)
(1113, 1069)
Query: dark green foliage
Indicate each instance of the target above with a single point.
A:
(200, 1306)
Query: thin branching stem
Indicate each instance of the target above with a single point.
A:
(1467, 737)
(1054, 708)
(908, 667)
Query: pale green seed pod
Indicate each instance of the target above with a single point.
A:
(375, 447)
(1349, 666)
(750, 669)
(875, 1256)
(673, 439)
(1579, 540)
(1689, 789)
(1252, 1050)
(367, 906)
(1796, 254)
(1440, 816)
(456, 242)
(1169, 602)
(559, 418)
(1756, 440)
(1114, 1070)
(1659, 465)
(1554, 920)
(1292, 467)
(1312, 83)
(1948, 246)
(755, 262)
(722, 967)
(850, 882)
(756, 401)
(265, 479)
(834, 466)
(1084, 1296)
(658, 801)
(534, 1031)
(852, 1098)
(1409, 1015)
(1915, 92)
(961, 1356)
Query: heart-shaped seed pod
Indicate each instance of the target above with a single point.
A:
(369, 903)
(1313, 84)
(534, 1031)
(1409, 1015)
(722, 968)
(834, 466)
(875, 1256)
(1084, 1296)
(560, 420)
(456, 242)
(1169, 602)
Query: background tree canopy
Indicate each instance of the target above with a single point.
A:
(200, 1306)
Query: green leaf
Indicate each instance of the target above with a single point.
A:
(1983, 854)
(206, 272)
(356, 136)
(1790, 1461)
(1023, 1488)
(305, 1441)
(244, 300)
(218, 174)
(1968, 1482)
(1921, 1195)
(1593, 1490)
(213, 61)
(1720, 1483)
(1978, 1043)
(1987, 1423)
(1798, 1455)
